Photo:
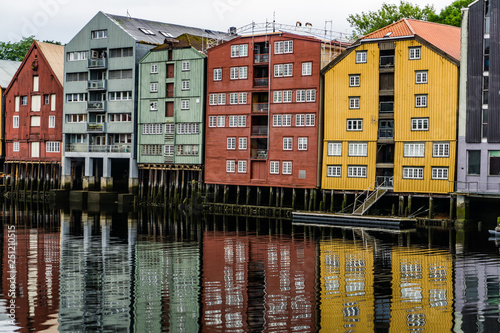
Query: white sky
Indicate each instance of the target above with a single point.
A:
(60, 20)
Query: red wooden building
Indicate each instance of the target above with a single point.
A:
(263, 110)
(33, 115)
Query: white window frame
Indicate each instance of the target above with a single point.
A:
(278, 70)
(277, 96)
(186, 66)
(420, 101)
(414, 53)
(311, 95)
(300, 96)
(221, 121)
(185, 84)
(153, 106)
(53, 147)
(441, 149)
(15, 146)
(356, 171)
(354, 124)
(233, 98)
(300, 120)
(217, 74)
(212, 121)
(213, 99)
(15, 122)
(414, 149)
(287, 96)
(334, 149)
(354, 102)
(233, 121)
(288, 46)
(334, 171)
(231, 143)
(52, 121)
(243, 73)
(242, 143)
(242, 121)
(287, 143)
(287, 70)
(242, 166)
(421, 77)
(278, 47)
(230, 164)
(154, 68)
(361, 57)
(242, 98)
(286, 120)
(440, 173)
(419, 124)
(310, 119)
(286, 168)
(302, 143)
(413, 172)
(274, 167)
(153, 87)
(184, 104)
(306, 68)
(354, 80)
(358, 149)
(276, 120)
(222, 99)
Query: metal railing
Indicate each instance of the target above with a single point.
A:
(76, 148)
(96, 85)
(261, 58)
(386, 107)
(385, 182)
(96, 127)
(386, 133)
(387, 61)
(125, 148)
(261, 82)
(96, 105)
(97, 63)
(260, 107)
(258, 154)
(259, 130)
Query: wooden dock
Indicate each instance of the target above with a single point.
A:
(377, 222)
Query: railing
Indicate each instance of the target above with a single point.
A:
(385, 182)
(96, 105)
(126, 148)
(387, 61)
(76, 148)
(259, 130)
(474, 187)
(96, 127)
(96, 85)
(387, 133)
(258, 154)
(97, 63)
(261, 58)
(386, 107)
(260, 107)
(261, 82)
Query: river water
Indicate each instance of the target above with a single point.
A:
(171, 271)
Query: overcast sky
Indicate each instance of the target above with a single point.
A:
(60, 20)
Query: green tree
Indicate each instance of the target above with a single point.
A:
(365, 23)
(17, 50)
(452, 14)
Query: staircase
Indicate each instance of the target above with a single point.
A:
(371, 198)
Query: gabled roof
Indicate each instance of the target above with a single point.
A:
(8, 69)
(182, 41)
(158, 31)
(54, 54)
(444, 37)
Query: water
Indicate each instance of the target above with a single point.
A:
(155, 271)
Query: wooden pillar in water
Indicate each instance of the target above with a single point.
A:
(226, 194)
(344, 201)
(306, 198)
(277, 200)
(183, 184)
(401, 205)
(452, 207)
(431, 207)
(271, 195)
(237, 194)
(258, 195)
(216, 192)
(247, 198)
(323, 202)
(294, 196)
(408, 213)
(331, 201)
(282, 197)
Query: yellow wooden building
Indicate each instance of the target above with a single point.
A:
(390, 110)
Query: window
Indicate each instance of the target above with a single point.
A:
(76, 118)
(243, 72)
(230, 165)
(306, 68)
(439, 173)
(361, 57)
(302, 144)
(494, 159)
(97, 34)
(151, 150)
(275, 167)
(358, 149)
(242, 143)
(46, 99)
(300, 96)
(354, 80)
(169, 128)
(287, 96)
(221, 121)
(441, 149)
(187, 150)
(187, 128)
(242, 98)
(154, 69)
(287, 143)
(242, 121)
(420, 101)
(120, 117)
(277, 96)
(287, 69)
(233, 121)
(155, 128)
(222, 99)
(413, 173)
(36, 102)
(288, 46)
(52, 121)
(147, 31)
(414, 149)
(310, 119)
(15, 122)
(239, 50)
(168, 150)
(334, 148)
(287, 168)
(278, 70)
(354, 124)
(53, 102)
(120, 74)
(473, 162)
(184, 104)
(213, 99)
(278, 47)
(300, 120)
(212, 121)
(217, 74)
(120, 96)
(153, 106)
(231, 143)
(186, 66)
(356, 171)
(185, 84)
(24, 100)
(35, 121)
(75, 56)
(15, 146)
(16, 103)
(310, 95)
(53, 147)
(153, 87)
(419, 124)
(414, 53)
(333, 170)
(233, 98)
(121, 52)
(242, 166)
(74, 77)
(36, 82)
(286, 120)
(353, 102)
(420, 77)
(76, 98)
(276, 120)
(234, 73)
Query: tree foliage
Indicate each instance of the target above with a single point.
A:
(17, 50)
(365, 23)
(452, 14)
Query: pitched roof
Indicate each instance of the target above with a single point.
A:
(54, 54)
(7, 70)
(444, 37)
(158, 31)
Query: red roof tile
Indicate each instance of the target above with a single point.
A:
(444, 37)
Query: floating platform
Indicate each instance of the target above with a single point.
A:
(376, 222)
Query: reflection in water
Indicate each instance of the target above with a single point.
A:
(157, 271)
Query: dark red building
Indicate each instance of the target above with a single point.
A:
(263, 110)
(33, 113)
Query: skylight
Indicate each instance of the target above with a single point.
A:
(147, 31)
(388, 34)
(166, 34)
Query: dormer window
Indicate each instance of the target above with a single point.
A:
(147, 31)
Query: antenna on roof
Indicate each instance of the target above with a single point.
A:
(128, 15)
(274, 20)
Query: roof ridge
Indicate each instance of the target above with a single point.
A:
(406, 20)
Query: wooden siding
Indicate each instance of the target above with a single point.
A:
(475, 72)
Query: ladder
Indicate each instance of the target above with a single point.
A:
(371, 198)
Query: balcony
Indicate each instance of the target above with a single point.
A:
(94, 63)
(76, 148)
(386, 133)
(123, 148)
(96, 127)
(386, 107)
(260, 107)
(96, 85)
(96, 105)
(259, 130)
(260, 58)
(386, 61)
(261, 82)
(258, 154)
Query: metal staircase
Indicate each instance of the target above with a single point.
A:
(380, 188)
